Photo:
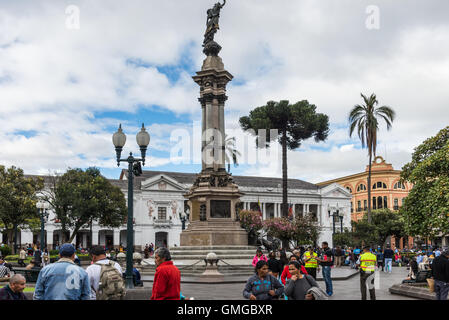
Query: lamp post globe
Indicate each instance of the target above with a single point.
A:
(119, 140)
(143, 140)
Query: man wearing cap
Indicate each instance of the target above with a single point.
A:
(367, 262)
(440, 274)
(94, 270)
(63, 280)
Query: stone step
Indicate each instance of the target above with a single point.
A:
(221, 256)
(197, 271)
(212, 248)
(217, 252)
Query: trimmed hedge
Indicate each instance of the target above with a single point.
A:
(6, 251)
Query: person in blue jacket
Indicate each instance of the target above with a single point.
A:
(63, 280)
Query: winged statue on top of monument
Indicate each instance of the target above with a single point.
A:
(213, 17)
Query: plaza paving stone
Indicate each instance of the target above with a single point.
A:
(343, 290)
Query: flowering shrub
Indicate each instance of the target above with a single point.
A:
(280, 228)
(251, 221)
(302, 230)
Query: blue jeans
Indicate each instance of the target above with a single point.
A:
(441, 290)
(327, 279)
(388, 266)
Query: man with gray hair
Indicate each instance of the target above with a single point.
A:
(14, 290)
(167, 279)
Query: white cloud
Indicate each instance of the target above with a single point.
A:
(53, 81)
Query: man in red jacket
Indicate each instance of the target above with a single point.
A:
(167, 280)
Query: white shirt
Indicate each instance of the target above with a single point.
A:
(93, 271)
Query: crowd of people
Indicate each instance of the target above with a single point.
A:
(366, 260)
(289, 275)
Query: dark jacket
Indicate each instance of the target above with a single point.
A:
(7, 294)
(260, 288)
(388, 254)
(297, 290)
(440, 269)
(275, 265)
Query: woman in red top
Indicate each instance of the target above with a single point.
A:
(286, 273)
(167, 280)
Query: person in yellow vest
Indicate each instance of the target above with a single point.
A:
(311, 264)
(367, 262)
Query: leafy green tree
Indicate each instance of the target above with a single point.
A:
(294, 122)
(345, 239)
(78, 197)
(365, 118)
(18, 198)
(426, 208)
(384, 223)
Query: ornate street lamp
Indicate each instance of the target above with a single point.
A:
(42, 208)
(134, 169)
(184, 216)
(341, 216)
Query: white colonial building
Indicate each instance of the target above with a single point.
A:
(159, 204)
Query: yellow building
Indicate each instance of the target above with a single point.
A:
(386, 191)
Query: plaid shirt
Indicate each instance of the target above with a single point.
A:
(4, 271)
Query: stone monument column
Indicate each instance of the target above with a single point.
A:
(213, 196)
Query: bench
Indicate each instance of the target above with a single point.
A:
(30, 275)
(421, 277)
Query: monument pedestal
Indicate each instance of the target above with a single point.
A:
(214, 233)
(213, 199)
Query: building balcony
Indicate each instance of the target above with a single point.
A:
(162, 223)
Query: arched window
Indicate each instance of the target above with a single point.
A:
(379, 185)
(349, 189)
(374, 203)
(399, 185)
(379, 203)
(361, 187)
(385, 202)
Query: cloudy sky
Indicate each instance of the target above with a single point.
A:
(71, 71)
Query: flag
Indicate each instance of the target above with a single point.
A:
(259, 207)
(290, 211)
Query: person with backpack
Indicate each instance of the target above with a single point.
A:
(105, 276)
(299, 284)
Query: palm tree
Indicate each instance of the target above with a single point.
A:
(231, 152)
(365, 119)
(295, 123)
